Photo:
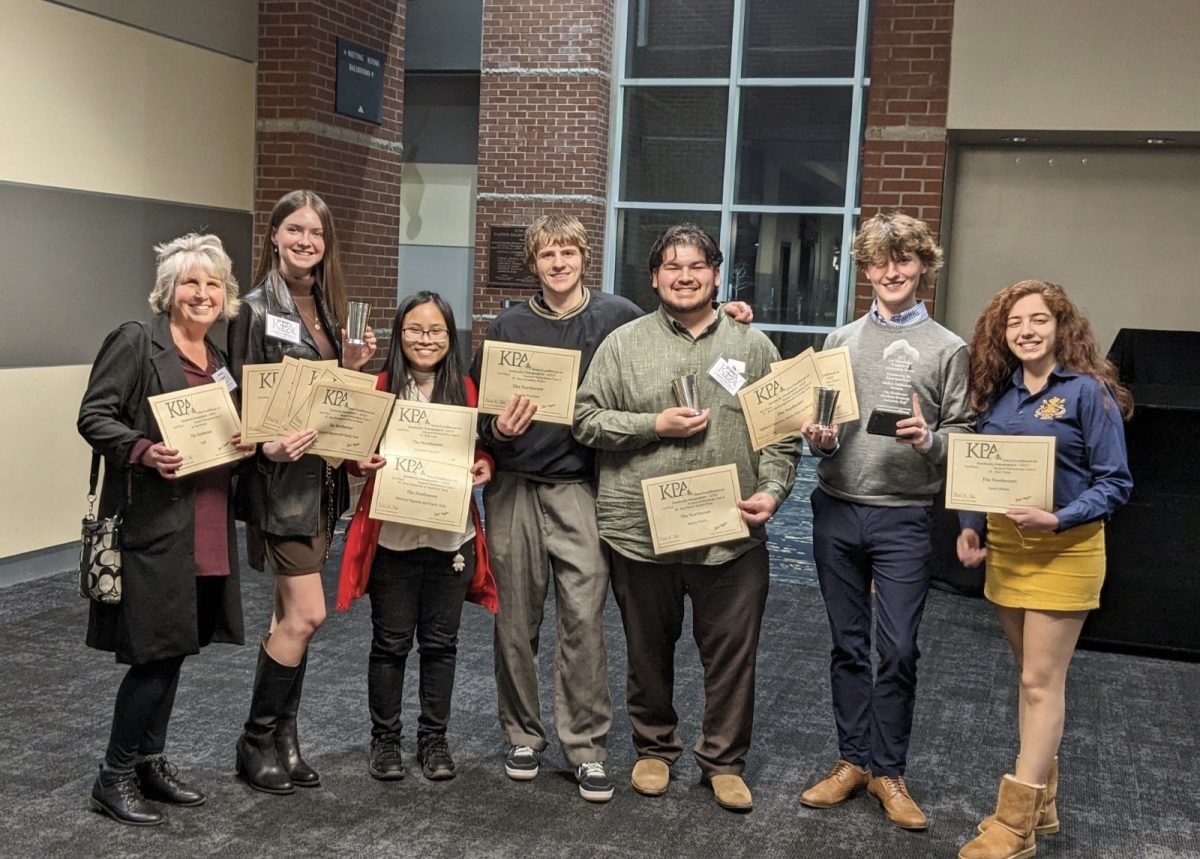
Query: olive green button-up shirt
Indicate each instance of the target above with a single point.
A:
(629, 384)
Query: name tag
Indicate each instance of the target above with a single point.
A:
(283, 329)
(225, 378)
(727, 375)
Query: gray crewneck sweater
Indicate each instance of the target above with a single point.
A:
(877, 470)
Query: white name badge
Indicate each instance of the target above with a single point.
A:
(283, 329)
(726, 375)
(225, 378)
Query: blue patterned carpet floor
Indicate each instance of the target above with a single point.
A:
(1129, 748)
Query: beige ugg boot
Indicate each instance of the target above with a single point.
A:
(1011, 835)
(1047, 819)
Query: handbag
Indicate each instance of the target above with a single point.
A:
(99, 550)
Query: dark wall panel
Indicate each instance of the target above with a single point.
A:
(76, 265)
(226, 26)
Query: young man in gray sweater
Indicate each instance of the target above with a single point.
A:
(872, 513)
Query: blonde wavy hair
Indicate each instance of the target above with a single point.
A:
(177, 258)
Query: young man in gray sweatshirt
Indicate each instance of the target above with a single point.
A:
(872, 513)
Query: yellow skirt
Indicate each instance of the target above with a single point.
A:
(1044, 570)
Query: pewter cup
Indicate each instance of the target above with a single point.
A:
(686, 396)
(824, 405)
(356, 322)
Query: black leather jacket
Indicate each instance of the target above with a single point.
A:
(282, 498)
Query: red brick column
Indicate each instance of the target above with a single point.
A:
(353, 165)
(904, 153)
(543, 126)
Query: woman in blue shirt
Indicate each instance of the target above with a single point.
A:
(1035, 370)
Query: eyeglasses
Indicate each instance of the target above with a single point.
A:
(437, 335)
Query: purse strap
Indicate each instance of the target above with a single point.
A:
(92, 479)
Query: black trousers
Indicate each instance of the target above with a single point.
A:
(146, 696)
(727, 609)
(415, 593)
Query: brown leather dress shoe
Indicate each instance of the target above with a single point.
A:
(731, 792)
(650, 776)
(843, 781)
(900, 808)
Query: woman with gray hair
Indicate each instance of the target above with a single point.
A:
(180, 586)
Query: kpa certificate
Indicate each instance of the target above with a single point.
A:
(778, 404)
(547, 376)
(694, 508)
(199, 423)
(422, 492)
(349, 421)
(995, 473)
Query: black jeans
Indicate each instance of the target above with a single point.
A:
(146, 696)
(415, 592)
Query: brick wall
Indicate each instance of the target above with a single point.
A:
(543, 126)
(353, 165)
(904, 154)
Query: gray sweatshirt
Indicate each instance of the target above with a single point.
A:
(877, 470)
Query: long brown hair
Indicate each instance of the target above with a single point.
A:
(328, 272)
(993, 363)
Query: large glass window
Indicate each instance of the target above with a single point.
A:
(744, 116)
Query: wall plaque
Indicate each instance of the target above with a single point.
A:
(506, 258)
(359, 82)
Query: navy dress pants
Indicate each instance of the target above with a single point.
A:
(855, 545)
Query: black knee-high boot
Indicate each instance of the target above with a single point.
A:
(257, 761)
(287, 744)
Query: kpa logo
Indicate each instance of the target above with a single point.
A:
(179, 408)
(412, 416)
(513, 358)
(267, 380)
(768, 392)
(982, 450)
(674, 489)
(337, 398)
(409, 466)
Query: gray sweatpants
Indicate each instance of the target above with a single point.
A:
(535, 531)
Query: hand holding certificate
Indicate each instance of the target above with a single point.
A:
(199, 423)
(694, 508)
(996, 473)
(427, 481)
(781, 402)
(547, 376)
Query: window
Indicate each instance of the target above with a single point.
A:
(745, 117)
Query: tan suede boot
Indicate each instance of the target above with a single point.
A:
(1047, 819)
(1011, 835)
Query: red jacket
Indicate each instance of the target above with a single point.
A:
(362, 537)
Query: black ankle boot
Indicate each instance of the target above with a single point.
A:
(117, 794)
(287, 744)
(257, 761)
(156, 776)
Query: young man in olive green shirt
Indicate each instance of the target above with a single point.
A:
(624, 410)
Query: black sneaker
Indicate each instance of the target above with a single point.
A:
(434, 757)
(594, 785)
(522, 763)
(385, 762)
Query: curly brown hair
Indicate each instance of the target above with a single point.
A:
(993, 363)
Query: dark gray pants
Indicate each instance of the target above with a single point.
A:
(727, 609)
(538, 531)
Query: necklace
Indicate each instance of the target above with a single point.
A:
(314, 320)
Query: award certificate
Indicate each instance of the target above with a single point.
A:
(309, 375)
(422, 492)
(258, 386)
(349, 421)
(995, 473)
(445, 434)
(778, 404)
(547, 376)
(694, 508)
(833, 366)
(199, 423)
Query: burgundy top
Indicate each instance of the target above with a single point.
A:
(212, 489)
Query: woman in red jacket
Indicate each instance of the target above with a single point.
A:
(416, 578)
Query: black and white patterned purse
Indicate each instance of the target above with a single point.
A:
(99, 550)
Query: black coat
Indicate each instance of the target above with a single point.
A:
(156, 617)
(282, 498)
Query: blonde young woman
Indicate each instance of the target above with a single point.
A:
(1035, 370)
(293, 498)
